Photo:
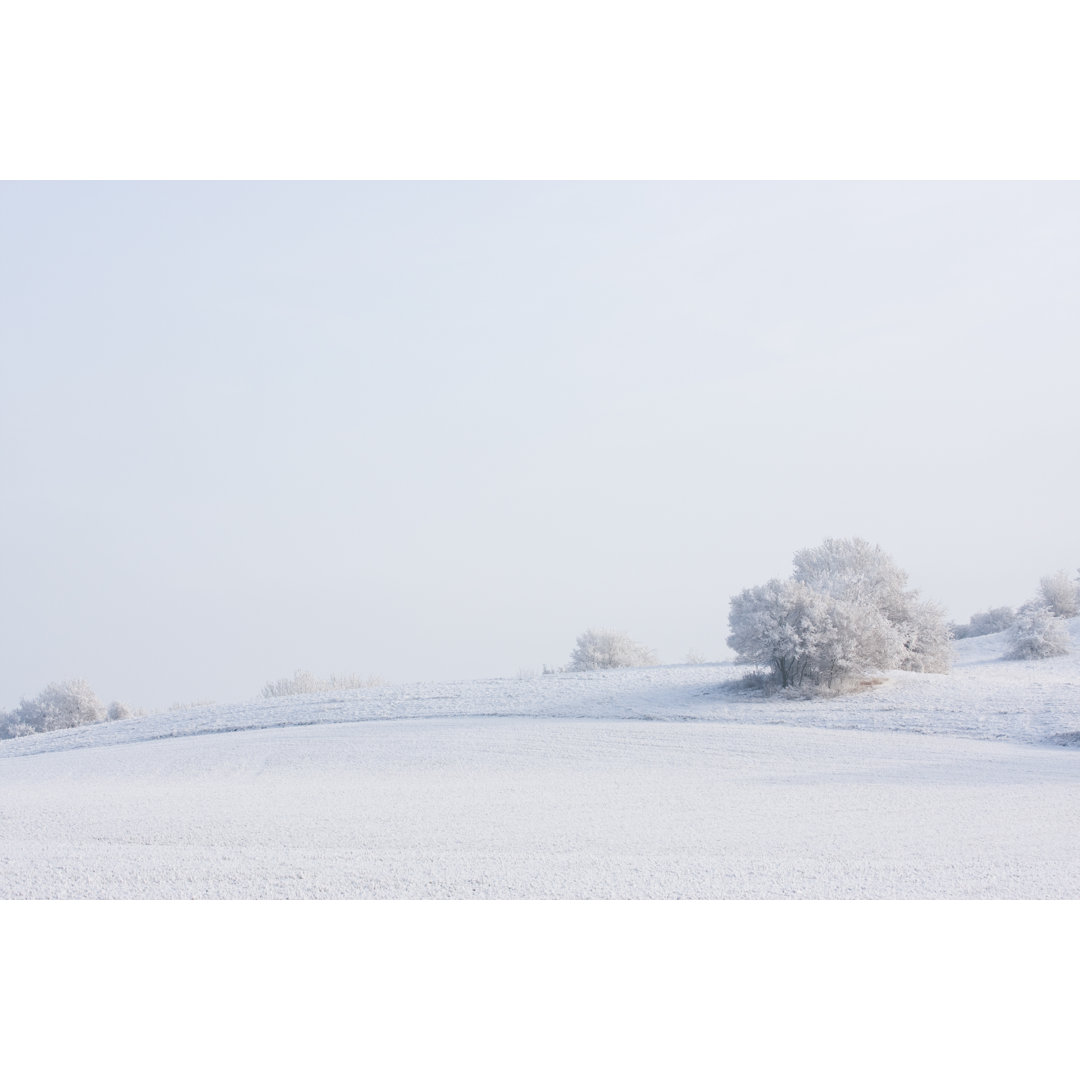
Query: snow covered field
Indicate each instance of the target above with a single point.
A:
(658, 782)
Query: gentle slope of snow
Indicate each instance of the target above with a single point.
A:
(659, 782)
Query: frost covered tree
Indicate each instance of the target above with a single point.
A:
(596, 649)
(1038, 633)
(843, 612)
(806, 636)
(859, 572)
(1060, 594)
(925, 638)
(775, 624)
(854, 570)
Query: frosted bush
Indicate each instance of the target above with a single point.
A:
(304, 682)
(1060, 594)
(60, 705)
(925, 637)
(1037, 634)
(808, 637)
(853, 570)
(858, 572)
(775, 625)
(845, 611)
(597, 649)
(11, 727)
(118, 711)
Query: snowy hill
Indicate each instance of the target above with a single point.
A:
(656, 782)
(983, 697)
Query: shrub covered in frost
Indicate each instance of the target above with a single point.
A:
(1037, 634)
(596, 649)
(844, 611)
(60, 705)
(986, 622)
(925, 637)
(857, 572)
(1060, 594)
(11, 727)
(303, 682)
(807, 637)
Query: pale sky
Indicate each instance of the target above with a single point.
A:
(426, 430)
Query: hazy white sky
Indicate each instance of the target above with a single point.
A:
(432, 430)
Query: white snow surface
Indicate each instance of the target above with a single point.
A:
(662, 782)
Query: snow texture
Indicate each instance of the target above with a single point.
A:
(660, 782)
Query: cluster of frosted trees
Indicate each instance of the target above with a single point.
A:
(1037, 629)
(844, 612)
(60, 705)
(985, 622)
